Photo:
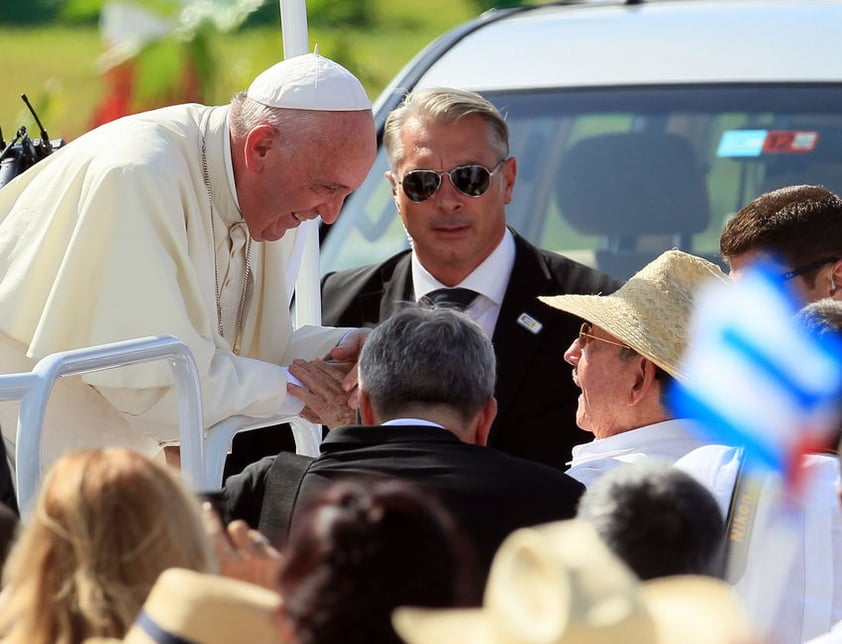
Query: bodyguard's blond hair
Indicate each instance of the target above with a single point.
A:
(107, 522)
(443, 105)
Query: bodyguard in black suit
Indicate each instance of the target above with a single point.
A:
(451, 180)
(426, 404)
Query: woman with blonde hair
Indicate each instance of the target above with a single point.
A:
(107, 522)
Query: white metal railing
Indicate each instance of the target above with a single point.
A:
(219, 436)
(34, 388)
(304, 280)
(203, 451)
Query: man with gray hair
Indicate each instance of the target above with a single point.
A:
(426, 403)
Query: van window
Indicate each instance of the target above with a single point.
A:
(614, 176)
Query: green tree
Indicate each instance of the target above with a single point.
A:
(158, 51)
(28, 12)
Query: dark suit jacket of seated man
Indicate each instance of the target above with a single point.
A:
(426, 406)
(452, 177)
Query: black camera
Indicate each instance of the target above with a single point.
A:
(23, 152)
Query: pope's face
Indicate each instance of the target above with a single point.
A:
(301, 178)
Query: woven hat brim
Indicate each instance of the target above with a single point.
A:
(616, 316)
(693, 609)
(455, 626)
(210, 609)
(684, 608)
(651, 312)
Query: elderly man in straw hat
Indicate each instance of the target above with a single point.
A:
(626, 354)
(560, 584)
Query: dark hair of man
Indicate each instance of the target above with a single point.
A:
(427, 356)
(362, 548)
(659, 520)
(799, 224)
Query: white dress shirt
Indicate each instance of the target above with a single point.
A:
(666, 441)
(490, 279)
(833, 637)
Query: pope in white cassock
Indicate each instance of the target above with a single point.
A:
(173, 222)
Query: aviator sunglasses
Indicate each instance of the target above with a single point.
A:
(471, 180)
(585, 337)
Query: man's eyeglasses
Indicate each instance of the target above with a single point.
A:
(472, 180)
(808, 267)
(585, 336)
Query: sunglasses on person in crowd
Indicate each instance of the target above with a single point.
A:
(472, 180)
(585, 336)
(808, 267)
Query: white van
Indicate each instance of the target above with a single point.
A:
(637, 127)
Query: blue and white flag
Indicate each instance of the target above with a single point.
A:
(755, 375)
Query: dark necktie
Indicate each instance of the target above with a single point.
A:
(457, 298)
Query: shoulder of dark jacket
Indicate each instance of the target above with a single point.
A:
(567, 275)
(365, 276)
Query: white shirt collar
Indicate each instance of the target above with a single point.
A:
(489, 279)
(412, 421)
(659, 438)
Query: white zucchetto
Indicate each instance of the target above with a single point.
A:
(309, 82)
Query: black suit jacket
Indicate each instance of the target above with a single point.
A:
(489, 493)
(535, 393)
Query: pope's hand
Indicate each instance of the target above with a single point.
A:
(348, 350)
(322, 391)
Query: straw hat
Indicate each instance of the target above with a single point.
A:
(559, 584)
(651, 311)
(187, 606)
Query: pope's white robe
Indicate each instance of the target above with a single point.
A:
(109, 239)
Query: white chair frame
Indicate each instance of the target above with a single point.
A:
(203, 451)
(218, 437)
(34, 388)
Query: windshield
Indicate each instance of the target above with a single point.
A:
(613, 177)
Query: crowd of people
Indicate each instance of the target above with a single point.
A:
(467, 488)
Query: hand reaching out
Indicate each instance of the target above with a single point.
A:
(348, 350)
(242, 553)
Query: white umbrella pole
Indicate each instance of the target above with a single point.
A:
(294, 27)
(308, 303)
